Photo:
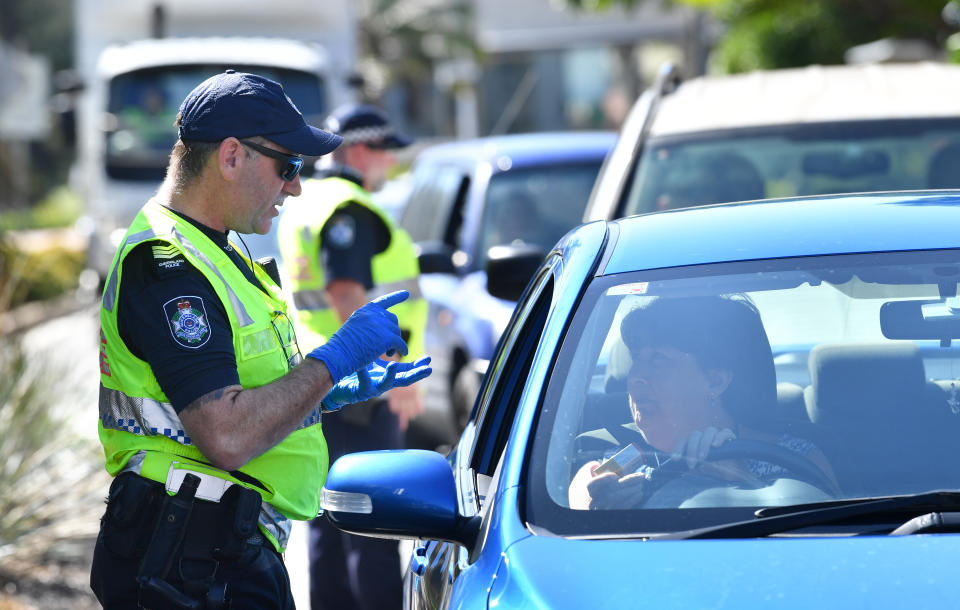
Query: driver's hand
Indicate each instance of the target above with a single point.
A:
(606, 490)
(694, 448)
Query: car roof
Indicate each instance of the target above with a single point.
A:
(523, 149)
(803, 226)
(814, 94)
(240, 51)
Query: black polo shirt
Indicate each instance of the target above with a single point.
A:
(350, 238)
(169, 316)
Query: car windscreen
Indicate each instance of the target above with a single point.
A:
(142, 109)
(535, 205)
(801, 380)
(794, 160)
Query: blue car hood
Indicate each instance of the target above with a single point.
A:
(862, 572)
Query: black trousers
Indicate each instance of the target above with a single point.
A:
(255, 579)
(348, 571)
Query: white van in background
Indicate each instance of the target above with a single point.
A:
(137, 64)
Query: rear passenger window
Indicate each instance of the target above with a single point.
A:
(429, 211)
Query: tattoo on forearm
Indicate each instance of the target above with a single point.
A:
(206, 398)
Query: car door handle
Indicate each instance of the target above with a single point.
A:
(418, 560)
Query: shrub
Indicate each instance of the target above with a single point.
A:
(52, 477)
(38, 275)
(60, 208)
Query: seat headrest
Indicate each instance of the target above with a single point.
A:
(715, 177)
(944, 170)
(860, 383)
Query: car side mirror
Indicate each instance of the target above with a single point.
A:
(407, 493)
(510, 268)
(435, 257)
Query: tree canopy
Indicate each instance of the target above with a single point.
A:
(763, 34)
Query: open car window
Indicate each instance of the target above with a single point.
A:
(838, 377)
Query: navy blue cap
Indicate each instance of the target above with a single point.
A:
(365, 124)
(240, 105)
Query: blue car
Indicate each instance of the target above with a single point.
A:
(751, 405)
(509, 195)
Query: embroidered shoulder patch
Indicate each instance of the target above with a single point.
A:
(342, 231)
(168, 258)
(188, 321)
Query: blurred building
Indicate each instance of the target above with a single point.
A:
(24, 87)
(545, 66)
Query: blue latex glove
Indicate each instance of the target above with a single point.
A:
(368, 332)
(372, 381)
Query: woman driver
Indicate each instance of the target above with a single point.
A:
(702, 374)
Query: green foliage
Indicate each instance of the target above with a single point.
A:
(60, 208)
(50, 477)
(36, 276)
(51, 266)
(401, 39)
(765, 34)
(795, 34)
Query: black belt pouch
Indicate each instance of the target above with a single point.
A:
(132, 509)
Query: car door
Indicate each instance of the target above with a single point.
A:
(436, 566)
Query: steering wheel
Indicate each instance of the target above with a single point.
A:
(796, 465)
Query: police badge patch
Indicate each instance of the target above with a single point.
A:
(188, 321)
(342, 231)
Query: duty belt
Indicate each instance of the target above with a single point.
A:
(212, 488)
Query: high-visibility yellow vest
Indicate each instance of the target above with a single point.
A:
(396, 268)
(139, 429)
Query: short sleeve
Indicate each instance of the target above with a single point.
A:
(170, 317)
(349, 240)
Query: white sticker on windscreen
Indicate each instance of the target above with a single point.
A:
(634, 288)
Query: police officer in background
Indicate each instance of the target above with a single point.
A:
(209, 418)
(339, 249)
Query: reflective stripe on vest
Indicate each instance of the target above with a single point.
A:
(148, 417)
(109, 295)
(136, 418)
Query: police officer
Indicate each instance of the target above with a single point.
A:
(340, 249)
(208, 417)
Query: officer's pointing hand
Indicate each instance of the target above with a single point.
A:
(369, 331)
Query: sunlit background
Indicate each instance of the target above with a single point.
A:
(89, 90)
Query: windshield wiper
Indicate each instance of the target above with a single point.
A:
(931, 522)
(823, 513)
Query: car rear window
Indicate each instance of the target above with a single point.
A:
(535, 205)
(795, 160)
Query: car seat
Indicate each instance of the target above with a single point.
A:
(871, 402)
(715, 177)
(944, 169)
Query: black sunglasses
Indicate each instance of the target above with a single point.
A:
(292, 163)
